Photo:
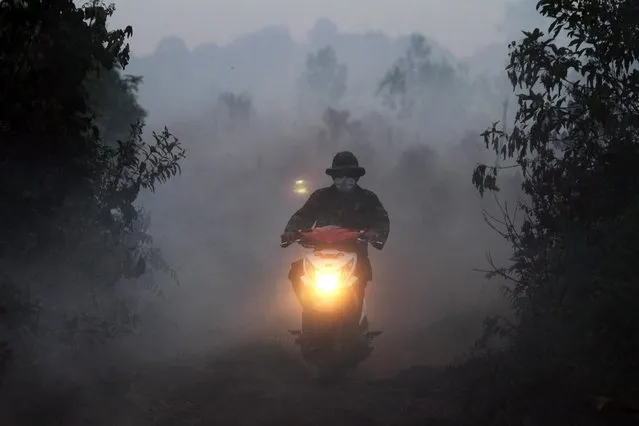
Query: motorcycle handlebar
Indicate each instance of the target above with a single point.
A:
(299, 239)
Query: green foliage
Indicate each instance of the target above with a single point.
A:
(576, 141)
(72, 156)
(113, 100)
(54, 160)
(325, 77)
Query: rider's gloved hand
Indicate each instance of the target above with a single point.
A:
(368, 236)
(372, 237)
(288, 237)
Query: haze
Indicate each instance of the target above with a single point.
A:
(463, 26)
(239, 170)
(231, 80)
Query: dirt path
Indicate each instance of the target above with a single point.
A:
(254, 384)
(269, 385)
(266, 384)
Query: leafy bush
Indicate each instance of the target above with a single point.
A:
(72, 155)
(576, 142)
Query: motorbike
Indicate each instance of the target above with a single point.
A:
(334, 336)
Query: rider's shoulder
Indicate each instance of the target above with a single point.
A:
(368, 193)
(320, 192)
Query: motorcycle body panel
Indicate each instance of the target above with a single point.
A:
(334, 335)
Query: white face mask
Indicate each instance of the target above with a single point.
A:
(345, 184)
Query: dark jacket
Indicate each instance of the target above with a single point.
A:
(360, 209)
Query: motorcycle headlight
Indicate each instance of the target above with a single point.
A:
(326, 283)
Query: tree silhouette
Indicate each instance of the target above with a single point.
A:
(576, 142)
(325, 78)
(72, 156)
(405, 87)
(238, 106)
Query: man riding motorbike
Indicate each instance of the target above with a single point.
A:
(343, 204)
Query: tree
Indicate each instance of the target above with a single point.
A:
(72, 156)
(336, 122)
(238, 106)
(113, 99)
(324, 78)
(54, 159)
(408, 85)
(576, 142)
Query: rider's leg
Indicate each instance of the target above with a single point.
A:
(360, 292)
(295, 275)
(365, 274)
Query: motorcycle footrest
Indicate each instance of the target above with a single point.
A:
(372, 334)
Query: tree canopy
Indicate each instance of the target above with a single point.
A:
(64, 148)
(576, 142)
(73, 157)
(325, 77)
(405, 86)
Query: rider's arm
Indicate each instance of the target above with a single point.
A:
(379, 222)
(304, 218)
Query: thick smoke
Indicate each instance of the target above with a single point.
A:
(219, 223)
(241, 114)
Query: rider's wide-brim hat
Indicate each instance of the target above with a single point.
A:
(345, 164)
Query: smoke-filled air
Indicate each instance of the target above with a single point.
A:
(150, 166)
